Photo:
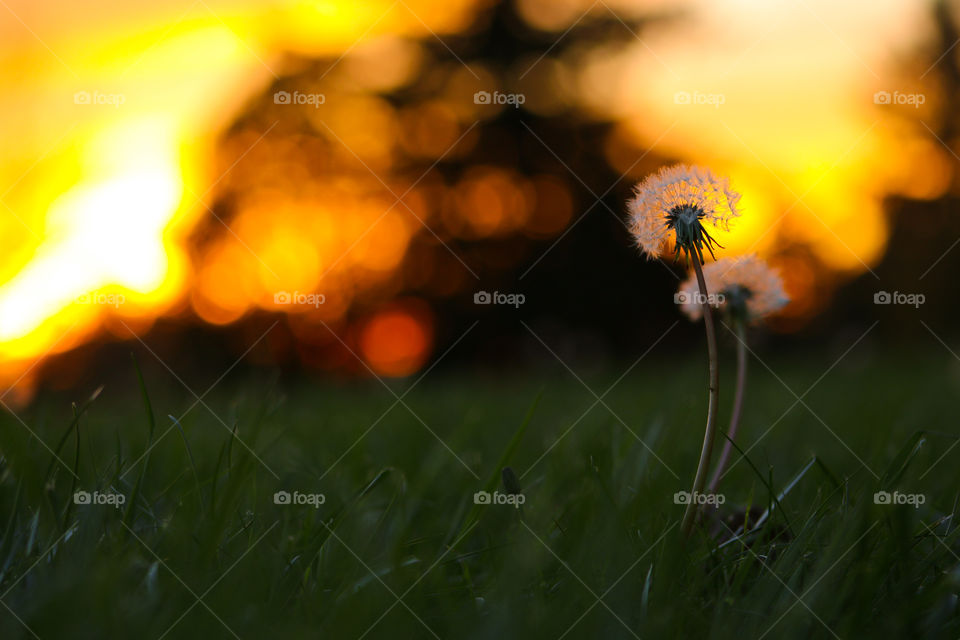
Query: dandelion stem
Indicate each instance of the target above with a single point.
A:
(740, 329)
(690, 516)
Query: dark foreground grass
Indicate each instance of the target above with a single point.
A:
(399, 550)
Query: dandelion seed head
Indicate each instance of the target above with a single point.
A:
(674, 203)
(745, 284)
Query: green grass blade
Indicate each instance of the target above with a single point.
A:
(151, 426)
(474, 514)
(193, 464)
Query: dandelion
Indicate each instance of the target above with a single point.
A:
(746, 290)
(676, 203)
(745, 287)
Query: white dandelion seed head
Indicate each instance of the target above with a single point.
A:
(690, 193)
(752, 275)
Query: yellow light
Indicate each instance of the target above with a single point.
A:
(105, 231)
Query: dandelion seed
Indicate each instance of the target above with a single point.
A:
(745, 286)
(674, 204)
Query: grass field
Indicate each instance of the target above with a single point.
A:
(398, 549)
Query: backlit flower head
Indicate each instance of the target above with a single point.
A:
(746, 286)
(674, 203)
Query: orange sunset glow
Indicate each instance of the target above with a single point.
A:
(132, 128)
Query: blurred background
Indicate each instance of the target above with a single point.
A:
(331, 186)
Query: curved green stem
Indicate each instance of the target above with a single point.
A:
(741, 333)
(690, 515)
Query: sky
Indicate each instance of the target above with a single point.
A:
(110, 112)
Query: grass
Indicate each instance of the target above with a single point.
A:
(398, 549)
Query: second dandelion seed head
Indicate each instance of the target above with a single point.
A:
(746, 287)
